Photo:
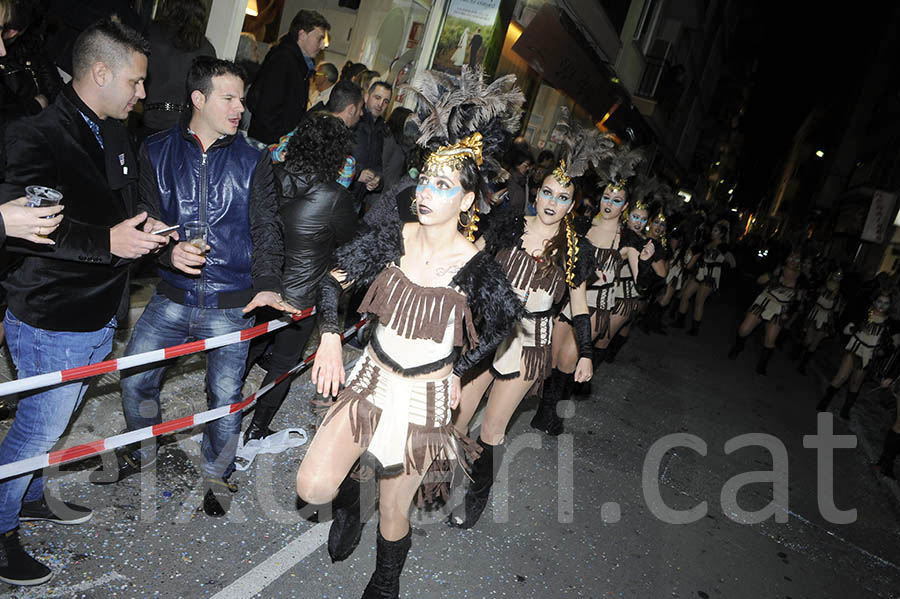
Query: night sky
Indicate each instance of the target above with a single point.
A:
(808, 54)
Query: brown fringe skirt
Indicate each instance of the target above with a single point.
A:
(404, 424)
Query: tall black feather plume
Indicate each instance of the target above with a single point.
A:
(452, 108)
(582, 146)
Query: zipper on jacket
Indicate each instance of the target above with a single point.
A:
(203, 222)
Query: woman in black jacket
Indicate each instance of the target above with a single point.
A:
(318, 215)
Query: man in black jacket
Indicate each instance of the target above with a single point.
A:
(66, 299)
(280, 93)
(206, 279)
(369, 146)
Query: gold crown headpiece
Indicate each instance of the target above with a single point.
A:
(560, 174)
(447, 159)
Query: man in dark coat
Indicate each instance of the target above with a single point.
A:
(369, 146)
(280, 93)
(66, 299)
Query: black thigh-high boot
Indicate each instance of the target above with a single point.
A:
(885, 462)
(389, 559)
(763, 362)
(805, 357)
(848, 403)
(346, 527)
(558, 386)
(826, 399)
(738, 347)
(484, 471)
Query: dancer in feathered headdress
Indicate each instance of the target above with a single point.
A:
(544, 259)
(431, 293)
(617, 251)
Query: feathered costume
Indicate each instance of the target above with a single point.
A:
(399, 414)
(543, 286)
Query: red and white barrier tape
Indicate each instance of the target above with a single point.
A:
(86, 450)
(158, 355)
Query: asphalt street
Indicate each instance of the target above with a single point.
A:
(592, 513)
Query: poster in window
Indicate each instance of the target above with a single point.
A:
(470, 29)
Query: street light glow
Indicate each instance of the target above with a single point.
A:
(820, 153)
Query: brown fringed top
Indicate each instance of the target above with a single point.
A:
(417, 312)
(526, 274)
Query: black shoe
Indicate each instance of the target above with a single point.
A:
(17, 566)
(679, 321)
(254, 431)
(69, 513)
(217, 499)
(390, 556)
(346, 527)
(126, 466)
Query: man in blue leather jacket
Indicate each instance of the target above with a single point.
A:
(203, 170)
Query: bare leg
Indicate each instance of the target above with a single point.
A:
(856, 379)
(564, 352)
(506, 395)
(702, 293)
(395, 496)
(667, 296)
(844, 370)
(472, 393)
(686, 294)
(329, 458)
(750, 322)
(773, 327)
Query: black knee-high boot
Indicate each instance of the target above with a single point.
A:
(484, 472)
(346, 527)
(615, 345)
(826, 399)
(738, 347)
(557, 387)
(390, 556)
(848, 403)
(763, 362)
(805, 357)
(885, 463)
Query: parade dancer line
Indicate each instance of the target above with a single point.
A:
(427, 286)
(542, 257)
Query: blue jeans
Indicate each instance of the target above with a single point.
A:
(165, 323)
(41, 418)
